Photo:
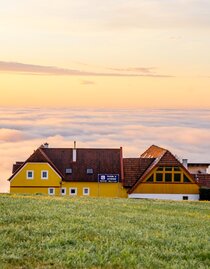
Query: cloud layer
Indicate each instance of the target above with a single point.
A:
(53, 70)
(185, 132)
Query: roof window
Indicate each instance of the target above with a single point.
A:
(89, 171)
(68, 170)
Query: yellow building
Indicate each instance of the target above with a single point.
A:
(73, 172)
(156, 174)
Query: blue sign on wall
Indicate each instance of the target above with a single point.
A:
(108, 178)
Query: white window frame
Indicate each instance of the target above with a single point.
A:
(44, 171)
(88, 193)
(30, 171)
(53, 191)
(63, 188)
(89, 171)
(72, 194)
(69, 171)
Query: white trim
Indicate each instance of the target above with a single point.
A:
(53, 191)
(43, 171)
(34, 163)
(63, 188)
(88, 189)
(163, 196)
(72, 194)
(29, 171)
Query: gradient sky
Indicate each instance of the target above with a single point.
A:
(105, 73)
(136, 53)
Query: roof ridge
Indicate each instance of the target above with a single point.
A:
(82, 148)
(49, 160)
(39, 149)
(153, 152)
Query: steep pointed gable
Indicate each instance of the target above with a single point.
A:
(37, 156)
(168, 159)
(136, 168)
(161, 157)
(153, 152)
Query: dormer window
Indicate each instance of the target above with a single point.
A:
(68, 170)
(89, 171)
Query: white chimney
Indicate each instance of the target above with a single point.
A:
(74, 157)
(185, 163)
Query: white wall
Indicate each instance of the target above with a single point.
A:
(163, 196)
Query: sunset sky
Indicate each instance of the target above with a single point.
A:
(105, 73)
(139, 53)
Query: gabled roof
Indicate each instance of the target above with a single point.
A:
(134, 169)
(102, 161)
(159, 157)
(37, 156)
(153, 152)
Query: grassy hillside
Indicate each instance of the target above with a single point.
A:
(49, 232)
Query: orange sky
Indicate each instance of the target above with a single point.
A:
(58, 91)
(100, 55)
(115, 53)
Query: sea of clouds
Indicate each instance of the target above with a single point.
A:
(186, 133)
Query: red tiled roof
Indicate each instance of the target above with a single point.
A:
(134, 169)
(37, 156)
(153, 152)
(105, 161)
(160, 157)
(16, 166)
(102, 161)
(168, 159)
(203, 180)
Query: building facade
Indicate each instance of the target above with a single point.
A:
(156, 174)
(67, 171)
(161, 176)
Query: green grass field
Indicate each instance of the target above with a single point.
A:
(50, 232)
